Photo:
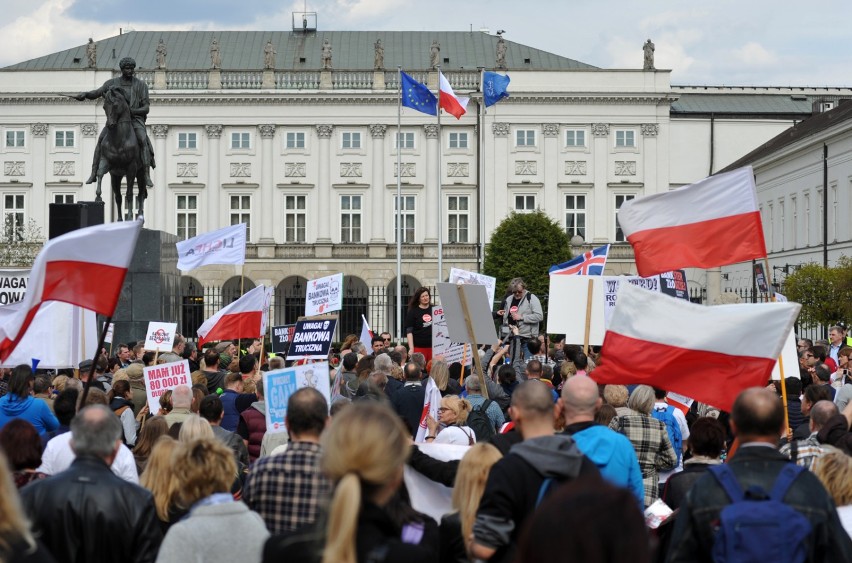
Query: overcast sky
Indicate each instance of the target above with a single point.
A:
(721, 42)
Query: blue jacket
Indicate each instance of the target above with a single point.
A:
(35, 411)
(612, 453)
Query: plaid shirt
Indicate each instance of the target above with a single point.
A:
(653, 449)
(807, 451)
(288, 490)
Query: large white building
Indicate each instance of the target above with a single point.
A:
(308, 157)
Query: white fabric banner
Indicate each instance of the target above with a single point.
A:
(225, 246)
(427, 496)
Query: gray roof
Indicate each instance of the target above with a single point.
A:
(352, 50)
(764, 104)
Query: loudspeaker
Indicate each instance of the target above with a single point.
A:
(67, 217)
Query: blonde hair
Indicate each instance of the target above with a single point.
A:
(567, 369)
(207, 466)
(835, 471)
(470, 482)
(160, 476)
(120, 374)
(616, 395)
(194, 428)
(440, 372)
(364, 448)
(461, 407)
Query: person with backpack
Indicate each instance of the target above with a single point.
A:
(677, 428)
(759, 506)
(485, 416)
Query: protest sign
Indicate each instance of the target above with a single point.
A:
(670, 283)
(160, 336)
(163, 377)
(441, 343)
(569, 297)
(674, 283)
(324, 295)
(13, 285)
(311, 339)
(281, 338)
(281, 383)
(458, 275)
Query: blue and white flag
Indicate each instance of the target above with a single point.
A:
(494, 87)
(417, 96)
(591, 263)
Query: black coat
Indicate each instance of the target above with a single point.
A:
(118, 518)
(408, 404)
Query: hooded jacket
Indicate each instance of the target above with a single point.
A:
(35, 411)
(252, 427)
(612, 453)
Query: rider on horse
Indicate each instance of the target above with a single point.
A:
(136, 91)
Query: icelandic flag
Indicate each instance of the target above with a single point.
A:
(494, 87)
(591, 263)
(417, 96)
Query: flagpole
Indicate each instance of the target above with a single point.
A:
(399, 230)
(481, 167)
(780, 357)
(94, 361)
(440, 206)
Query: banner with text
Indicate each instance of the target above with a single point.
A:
(463, 276)
(671, 283)
(281, 338)
(324, 295)
(13, 285)
(441, 344)
(281, 383)
(160, 336)
(311, 339)
(163, 377)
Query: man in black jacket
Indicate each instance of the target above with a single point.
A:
(408, 401)
(88, 514)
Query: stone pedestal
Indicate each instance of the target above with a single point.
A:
(214, 79)
(159, 79)
(325, 80)
(268, 82)
(151, 291)
(378, 80)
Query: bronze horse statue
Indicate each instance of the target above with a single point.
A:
(120, 152)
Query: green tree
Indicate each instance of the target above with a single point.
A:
(526, 245)
(825, 293)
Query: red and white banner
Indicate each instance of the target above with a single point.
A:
(85, 267)
(449, 102)
(431, 402)
(241, 319)
(366, 337)
(711, 223)
(224, 246)
(707, 353)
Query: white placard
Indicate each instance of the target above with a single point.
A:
(567, 311)
(458, 275)
(441, 343)
(324, 295)
(160, 336)
(477, 306)
(279, 384)
(13, 285)
(161, 378)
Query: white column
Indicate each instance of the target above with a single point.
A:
(267, 190)
(324, 133)
(650, 169)
(601, 212)
(372, 229)
(432, 184)
(214, 190)
(157, 204)
(551, 169)
(36, 204)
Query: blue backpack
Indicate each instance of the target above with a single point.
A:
(666, 416)
(757, 527)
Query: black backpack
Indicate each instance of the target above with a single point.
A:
(479, 422)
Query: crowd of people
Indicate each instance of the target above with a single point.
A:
(555, 467)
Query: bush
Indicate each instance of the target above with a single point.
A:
(825, 293)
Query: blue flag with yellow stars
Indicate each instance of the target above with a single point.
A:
(417, 96)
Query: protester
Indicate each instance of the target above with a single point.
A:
(65, 407)
(521, 311)
(162, 480)
(836, 431)
(508, 379)
(22, 446)
(811, 396)
(489, 407)
(211, 410)
(450, 427)
(418, 323)
(440, 373)
(42, 389)
(120, 401)
(706, 443)
(150, 432)
(834, 470)
(19, 403)
(408, 401)
(217, 528)
(136, 376)
(806, 452)
(17, 542)
(252, 424)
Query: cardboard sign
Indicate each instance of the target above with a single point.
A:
(441, 343)
(324, 295)
(13, 285)
(160, 336)
(281, 338)
(311, 339)
(281, 383)
(161, 378)
(463, 276)
(567, 312)
(481, 320)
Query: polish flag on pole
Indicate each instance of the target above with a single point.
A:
(449, 102)
(431, 402)
(240, 319)
(85, 267)
(711, 223)
(707, 353)
(366, 337)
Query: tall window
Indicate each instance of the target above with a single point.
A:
(625, 138)
(350, 140)
(771, 242)
(575, 215)
(834, 213)
(524, 203)
(458, 140)
(64, 138)
(63, 198)
(458, 214)
(294, 218)
(782, 224)
(295, 139)
(575, 138)
(794, 223)
(240, 140)
(404, 207)
(525, 138)
(187, 216)
(819, 220)
(241, 212)
(405, 140)
(350, 218)
(619, 201)
(189, 141)
(13, 216)
(15, 139)
(806, 229)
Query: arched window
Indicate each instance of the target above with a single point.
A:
(290, 300)
(356, 296)
(192, 306)
(409, 285)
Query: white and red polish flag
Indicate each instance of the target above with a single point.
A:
(241, 319)
(85, 267)
(707, 353)
(366, 336)
(431, 402)
(710, 223)
(448, 101)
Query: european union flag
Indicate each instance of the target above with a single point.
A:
(417, 96)
(494, 87)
